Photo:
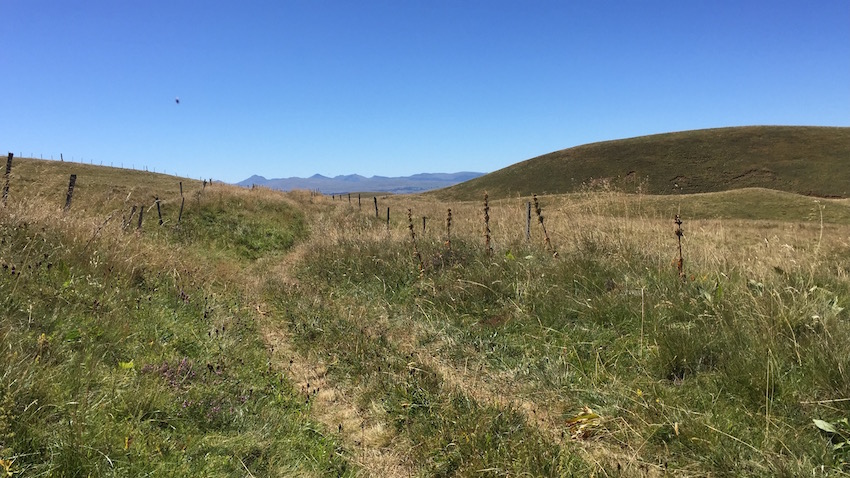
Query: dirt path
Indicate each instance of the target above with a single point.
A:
(367, 440)
(485, 388)
(372, 445)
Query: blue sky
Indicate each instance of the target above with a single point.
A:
(292, 88)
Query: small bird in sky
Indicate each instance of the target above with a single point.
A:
(177, 100)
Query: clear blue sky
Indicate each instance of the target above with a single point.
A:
(292, 88)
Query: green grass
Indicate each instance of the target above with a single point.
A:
(242, 228)
(718, 375)
(802, 160)
(121, 357)
(128, 353)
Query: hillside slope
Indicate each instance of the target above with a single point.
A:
(804, 160)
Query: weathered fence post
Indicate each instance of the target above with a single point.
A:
(158, 210)
(376, 205)
(349, 198)
(487, 225)
(528, 221)
(388, 217)
(141, 215)
(182, 203)
(423, 224)
(416, 253)
(449, 232)
(8, 175)
(70, 195)
(358, 202)
(680, 264)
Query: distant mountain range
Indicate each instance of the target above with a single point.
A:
(356, 183)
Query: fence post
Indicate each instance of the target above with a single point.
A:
(388, 217)
(158, 210)
(487, 225)
(376, 205)
(528, 221)
(8, 175)
(141, 215)
(423, 224)
(182, 203)
(449, 232)
(358, 202)
(70, 195)
(680, 264)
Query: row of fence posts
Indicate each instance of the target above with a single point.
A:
(7, 178)
(70, 195)
(528, 207)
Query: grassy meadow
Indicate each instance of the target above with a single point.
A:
(272, 334)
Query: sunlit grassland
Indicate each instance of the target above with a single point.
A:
(722, 373)
(132, 352)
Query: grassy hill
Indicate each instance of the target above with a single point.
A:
(803, 160)
(272, 334)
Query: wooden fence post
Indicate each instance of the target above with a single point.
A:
(376, 205)
(680, 264)
(388, 217)
(8, 175)
(359, 206)
(158, 210)
(70, 195)
(182, 203)
(449, 232)
(487, 244)
(528, 221)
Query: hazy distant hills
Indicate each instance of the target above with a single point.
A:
(806, 160)
(356, 183)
